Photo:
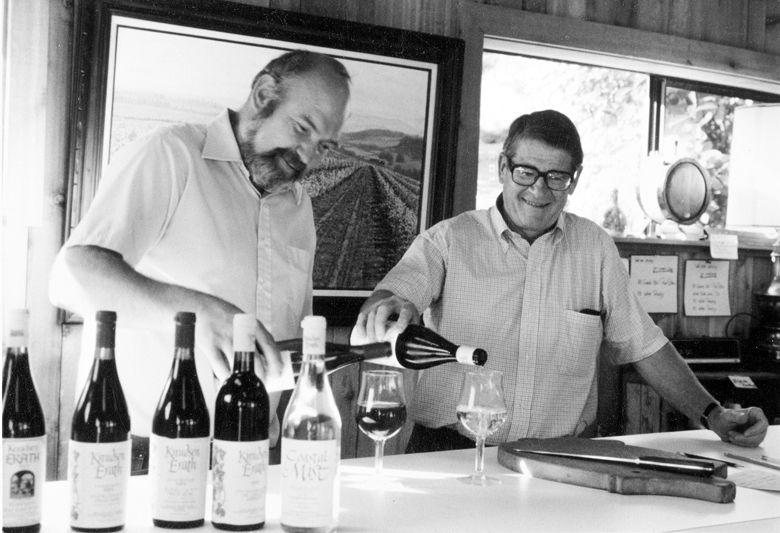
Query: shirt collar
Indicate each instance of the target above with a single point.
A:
(221, 145)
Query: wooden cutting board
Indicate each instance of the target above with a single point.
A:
(620, 479)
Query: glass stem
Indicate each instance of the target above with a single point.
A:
(379, 451)
(479, 462)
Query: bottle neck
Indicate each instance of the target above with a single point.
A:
(104, 342)
(18, 360)
(185, 343)
(313, 371)
(243, 362)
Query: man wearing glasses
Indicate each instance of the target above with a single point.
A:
(542, 290)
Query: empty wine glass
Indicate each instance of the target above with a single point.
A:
(481, 410)
(381, 408)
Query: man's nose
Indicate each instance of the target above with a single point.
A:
(540, 185)
(308, 152)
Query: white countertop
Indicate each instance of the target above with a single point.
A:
(420, 493)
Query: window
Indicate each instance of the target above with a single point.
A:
(622, 111)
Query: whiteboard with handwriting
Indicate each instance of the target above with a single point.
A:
(654, 281)
(707, 288)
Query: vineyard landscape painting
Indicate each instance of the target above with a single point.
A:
(369, 194)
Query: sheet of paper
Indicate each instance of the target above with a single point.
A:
(707, 288)
(654, 281)
(723, 246)
(755, 478)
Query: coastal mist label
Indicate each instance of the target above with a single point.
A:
(24, 473)
(309, 484)
(178, 469)
(98, 473)
(240, 475)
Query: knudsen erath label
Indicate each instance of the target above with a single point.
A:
(24, 473)
(98, 474)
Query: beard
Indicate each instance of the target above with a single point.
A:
(271, 170)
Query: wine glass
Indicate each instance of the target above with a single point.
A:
(481, 410)
(381, 408)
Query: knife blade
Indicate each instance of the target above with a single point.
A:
(677, 466)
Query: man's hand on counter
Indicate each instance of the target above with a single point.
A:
(744, 427)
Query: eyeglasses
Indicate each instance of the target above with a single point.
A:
(526, 175)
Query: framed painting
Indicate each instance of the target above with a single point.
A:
(141, 65)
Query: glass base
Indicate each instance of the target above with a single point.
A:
(479, 480)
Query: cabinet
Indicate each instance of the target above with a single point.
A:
(644, 411)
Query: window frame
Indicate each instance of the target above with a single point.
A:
(487, 27)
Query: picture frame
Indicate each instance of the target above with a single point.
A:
(139, 64)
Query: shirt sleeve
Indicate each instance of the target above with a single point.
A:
(134, 200)
(628, 329)
(419, 275)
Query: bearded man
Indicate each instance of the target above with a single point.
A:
(210, 219)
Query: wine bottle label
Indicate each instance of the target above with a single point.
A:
(24, 473)
(98, 476)
(309, 482)
(177, 472)
(240, 476)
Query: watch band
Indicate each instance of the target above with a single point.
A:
(706, 413)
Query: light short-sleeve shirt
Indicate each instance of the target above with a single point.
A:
(180, 207)
(484, 285)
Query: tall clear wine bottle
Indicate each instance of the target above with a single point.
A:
(99, 448)
(240, 449)
(24, 433)
(179, 443)
(311, 442)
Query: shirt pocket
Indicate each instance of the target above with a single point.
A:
(579, 341)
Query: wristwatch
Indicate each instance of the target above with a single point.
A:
(706, 413)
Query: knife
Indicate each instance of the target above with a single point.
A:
(678, 466)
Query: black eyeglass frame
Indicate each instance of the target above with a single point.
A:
(539, 174)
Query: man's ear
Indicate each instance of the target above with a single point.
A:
(265, 94)
(576, 180)
(502, 163)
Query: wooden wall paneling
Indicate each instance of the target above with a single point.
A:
(325, 8)
(603, 11)
(726, 22)
(653, 16)
(285, 5)
(772, 25)
(626, 13)
(535, 6)
(756, 25)
(568, 8)
(679, 18)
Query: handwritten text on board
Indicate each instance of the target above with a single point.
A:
(707, 288)
(654, 281)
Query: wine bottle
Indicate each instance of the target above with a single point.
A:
(311, 442)
(179, 443)
(24, 433)
(99, 448)
(336, 355)
(418, 347)
(240, 450)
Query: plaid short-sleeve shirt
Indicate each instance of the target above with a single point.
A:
(484, 285)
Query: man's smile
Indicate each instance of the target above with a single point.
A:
(539, 205)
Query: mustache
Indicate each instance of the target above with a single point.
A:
(275, 167)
